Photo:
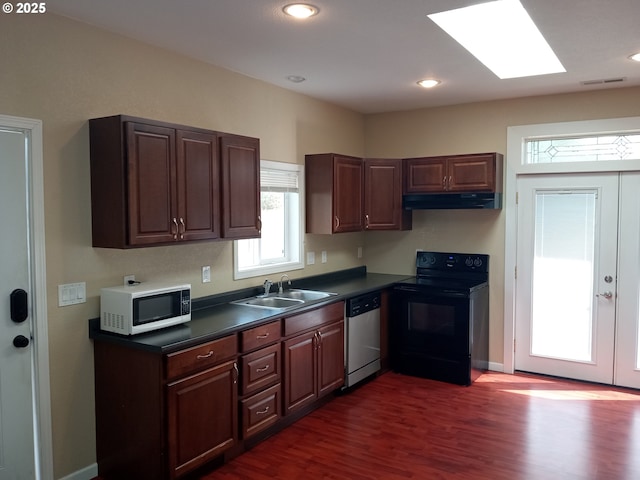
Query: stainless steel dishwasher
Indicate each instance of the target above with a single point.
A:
(362, 337)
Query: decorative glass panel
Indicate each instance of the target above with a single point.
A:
(583, 149)
(562, 316)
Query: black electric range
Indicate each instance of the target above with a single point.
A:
(440, 325)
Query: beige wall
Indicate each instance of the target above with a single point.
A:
(479, 127)
(64, 73)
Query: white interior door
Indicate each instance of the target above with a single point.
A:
(627, 363)
(566, 281)
(17, 459)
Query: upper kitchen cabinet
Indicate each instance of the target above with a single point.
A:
(334, 193)
(480, 172)
(383, 196)
(240, 186)
(155, 183)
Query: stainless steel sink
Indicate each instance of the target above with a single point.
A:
(305, 295)
(283, 301)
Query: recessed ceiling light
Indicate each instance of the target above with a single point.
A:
(635, 57)
(428, 83)
(502, 36)
(300, 10)
(295, 78)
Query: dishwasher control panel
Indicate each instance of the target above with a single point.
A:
(362, 304)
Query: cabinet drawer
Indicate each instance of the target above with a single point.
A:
(314, 318)
(260, 369)
(202, 356)
(260, 336)
(261, 411)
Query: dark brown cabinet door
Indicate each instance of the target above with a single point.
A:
(240, 157)
(198, 182)
(300, 371)
(424, 175)
(202, 417)
(383, 196)
(330, 358)
(333, 193)
(348, 195)
(151, 184)
(472, 173)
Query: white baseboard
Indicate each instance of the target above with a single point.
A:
(496, 367)
(86, 473)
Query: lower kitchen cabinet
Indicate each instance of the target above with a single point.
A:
(202, 417)
(260, 378)
(314, 359)
(261, 411)
(161, 416)
(164, 416)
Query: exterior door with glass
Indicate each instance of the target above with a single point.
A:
(567, 275)
(627, 362)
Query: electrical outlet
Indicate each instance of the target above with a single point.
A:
(129, 280)
(206, 274)
(359, 252)
(311, 258)
(324, 256)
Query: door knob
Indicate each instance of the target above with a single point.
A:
(606, 295)
(20, 341)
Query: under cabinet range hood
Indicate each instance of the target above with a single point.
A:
(452, 201)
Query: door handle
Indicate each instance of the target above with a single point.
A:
(18, 305)
(606, 295)
(20, 341)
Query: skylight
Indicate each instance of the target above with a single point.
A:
(502, 36)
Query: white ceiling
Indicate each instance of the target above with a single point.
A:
(367, 55)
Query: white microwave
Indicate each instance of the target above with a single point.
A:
(129, 310)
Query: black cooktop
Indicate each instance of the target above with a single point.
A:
(464, 272)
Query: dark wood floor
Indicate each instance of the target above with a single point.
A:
(503, 427)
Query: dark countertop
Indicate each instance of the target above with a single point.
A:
(214, 317)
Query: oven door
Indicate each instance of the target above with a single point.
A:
(431, 321)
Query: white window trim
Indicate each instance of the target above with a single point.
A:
(515, 165)
(280, 267)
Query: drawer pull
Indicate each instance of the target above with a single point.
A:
(263, 369)
(208, 355)
(262, 337)
(262, 412)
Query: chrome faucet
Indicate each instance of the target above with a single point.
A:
(267, 286)
(280, 289)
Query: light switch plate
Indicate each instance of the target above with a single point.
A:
(324, 256)
(311, 258)
(72, 294)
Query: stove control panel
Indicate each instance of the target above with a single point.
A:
(460, 262)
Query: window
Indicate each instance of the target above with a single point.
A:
(593, 148)
(280, 247)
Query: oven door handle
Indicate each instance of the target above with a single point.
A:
(442, 293)
(403, 288)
